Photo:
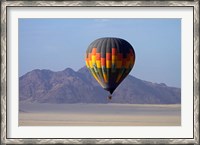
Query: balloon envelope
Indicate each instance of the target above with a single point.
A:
(110, 60)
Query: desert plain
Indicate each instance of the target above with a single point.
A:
(45, 114)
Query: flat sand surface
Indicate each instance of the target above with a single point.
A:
(35, 114)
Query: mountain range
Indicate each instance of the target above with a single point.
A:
(69, 86)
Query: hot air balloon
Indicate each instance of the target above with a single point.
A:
(110, 60)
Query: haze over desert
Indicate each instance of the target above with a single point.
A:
(45, 114)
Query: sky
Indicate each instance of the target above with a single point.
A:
(57, 44)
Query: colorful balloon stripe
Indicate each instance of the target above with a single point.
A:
(110, 60)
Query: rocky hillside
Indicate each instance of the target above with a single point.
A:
(68, 86)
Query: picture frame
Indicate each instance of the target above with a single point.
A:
(5, 5)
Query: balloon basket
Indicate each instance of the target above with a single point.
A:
(110, 97)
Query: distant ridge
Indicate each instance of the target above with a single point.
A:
(68, 86)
